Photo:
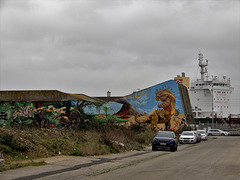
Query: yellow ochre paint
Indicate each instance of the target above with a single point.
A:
(137, 96)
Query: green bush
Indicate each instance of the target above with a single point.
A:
(9, 145)
(6, 139)
(76, 153)
(145, 138)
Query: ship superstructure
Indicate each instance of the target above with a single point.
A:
(210, 97)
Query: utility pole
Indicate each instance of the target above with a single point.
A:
(212, 107)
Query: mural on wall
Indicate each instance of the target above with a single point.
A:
(166, 109)
(48, 115)
(55, 114)
(160, 106)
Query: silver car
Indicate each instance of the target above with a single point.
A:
(203, 134)
(187, 137)
(217, 132)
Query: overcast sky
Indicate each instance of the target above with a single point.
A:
(95, 46)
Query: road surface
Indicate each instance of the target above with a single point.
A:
(215, 159)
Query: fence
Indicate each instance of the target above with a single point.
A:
(216, 125)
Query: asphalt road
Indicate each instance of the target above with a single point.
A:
(218, 158)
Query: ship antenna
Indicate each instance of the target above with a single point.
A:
(202, 65)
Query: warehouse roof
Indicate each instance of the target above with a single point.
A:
(112, 98)
(45, 95)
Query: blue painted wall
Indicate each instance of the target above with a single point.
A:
(144, 101)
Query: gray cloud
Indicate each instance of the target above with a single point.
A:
(92, 46)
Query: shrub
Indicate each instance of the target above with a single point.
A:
(9, 144)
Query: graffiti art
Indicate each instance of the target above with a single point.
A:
(160, 106)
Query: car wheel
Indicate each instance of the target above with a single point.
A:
(173, 149)
(222, 134)
(154, 148)
(209, 134)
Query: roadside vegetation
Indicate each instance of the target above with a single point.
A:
(23, 146)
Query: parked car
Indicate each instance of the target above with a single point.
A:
(203, 134)
(217, 132)
(187, 137)
(165, 140)
(198, 135)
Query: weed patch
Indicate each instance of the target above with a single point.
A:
(20, 165)
(30, 143)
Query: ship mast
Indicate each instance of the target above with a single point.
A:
(202, 65)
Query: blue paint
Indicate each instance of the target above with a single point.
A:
(144, 101)
(93, 109)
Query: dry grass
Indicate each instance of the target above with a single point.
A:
(31, 143)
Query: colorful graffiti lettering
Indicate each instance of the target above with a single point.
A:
(26, 113)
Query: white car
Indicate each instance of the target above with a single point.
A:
(217, 132)
(203, 134)
(187, 137)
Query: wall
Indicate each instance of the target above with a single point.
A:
(141, 106)
(161, 106)
(39, 113)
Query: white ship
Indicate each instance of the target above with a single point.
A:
(210, 96)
